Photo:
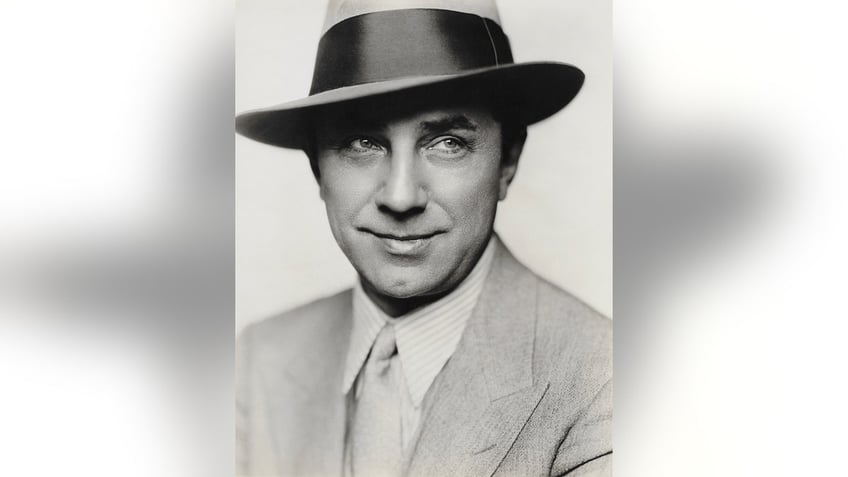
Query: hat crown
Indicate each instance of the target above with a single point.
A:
(340, 10)
(389, 48)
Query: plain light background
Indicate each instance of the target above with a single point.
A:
(115, 118)
(557, 217)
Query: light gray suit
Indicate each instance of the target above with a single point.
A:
(527, 392)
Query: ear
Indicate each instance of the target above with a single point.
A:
(509, 163)
(321, 191)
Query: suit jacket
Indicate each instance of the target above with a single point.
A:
(528, 390)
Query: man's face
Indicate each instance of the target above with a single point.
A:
(411, 196)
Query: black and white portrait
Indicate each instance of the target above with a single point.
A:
(424, 231)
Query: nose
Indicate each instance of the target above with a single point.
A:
(402, 193)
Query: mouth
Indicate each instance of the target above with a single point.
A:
(403, 243)
(402, 237)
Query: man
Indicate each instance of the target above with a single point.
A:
(448, 357)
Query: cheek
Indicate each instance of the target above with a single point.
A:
(344, 190)
(470, 196)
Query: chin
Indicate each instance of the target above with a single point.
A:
(404, 284)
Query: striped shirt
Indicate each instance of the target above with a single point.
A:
(426, 339)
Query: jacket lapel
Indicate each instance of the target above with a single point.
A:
(306, 405)
(486, 392)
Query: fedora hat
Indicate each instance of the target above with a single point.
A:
(386, 49)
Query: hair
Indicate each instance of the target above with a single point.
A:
(310, 147)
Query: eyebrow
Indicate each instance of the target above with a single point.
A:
(458, 121)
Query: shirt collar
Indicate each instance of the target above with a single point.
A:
(426, 337)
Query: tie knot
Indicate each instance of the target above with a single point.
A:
(384, 346)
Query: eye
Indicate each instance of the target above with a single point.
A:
(363, 143)
(447, 145)
(360, 146)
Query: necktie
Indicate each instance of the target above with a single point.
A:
(376, 426)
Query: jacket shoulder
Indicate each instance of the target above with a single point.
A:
(561, 312)
(573, 341)
(307, 323)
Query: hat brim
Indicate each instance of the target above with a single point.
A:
(532, 92)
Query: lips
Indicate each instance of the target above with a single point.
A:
(404, 247)
(403, 243)
(403, 237)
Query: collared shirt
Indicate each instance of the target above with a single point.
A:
(426, 339)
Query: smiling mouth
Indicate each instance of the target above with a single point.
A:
(403, 244)
(402, 238)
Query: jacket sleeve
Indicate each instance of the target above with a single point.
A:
(587, 447)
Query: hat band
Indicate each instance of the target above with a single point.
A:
(396, 44)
